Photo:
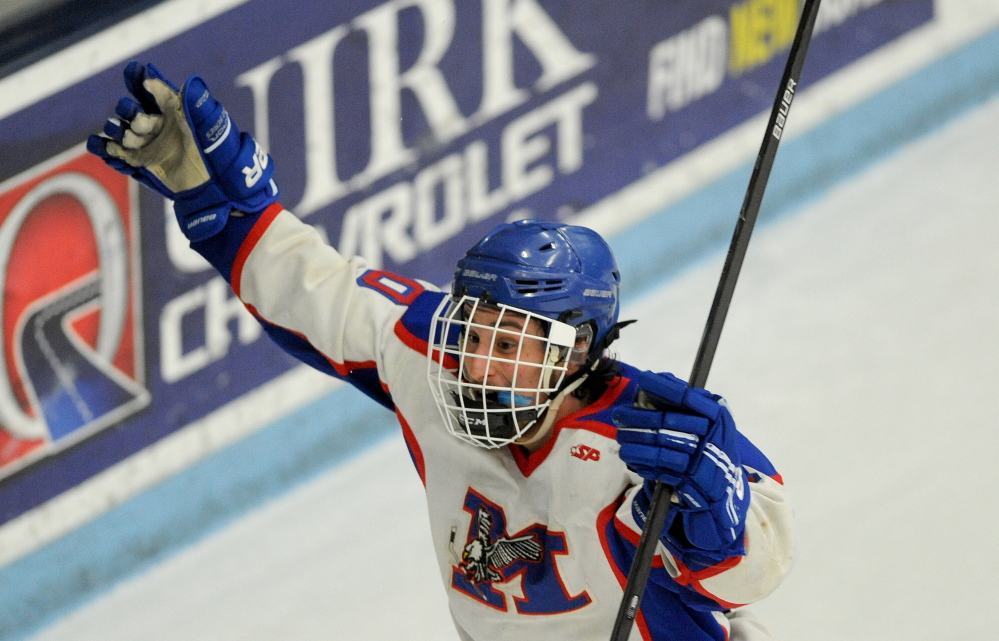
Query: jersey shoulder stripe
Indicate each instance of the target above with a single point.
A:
(363, 376)
(413, 329)
(415, 451)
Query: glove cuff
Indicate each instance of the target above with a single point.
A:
(202, 212)
(674, 536)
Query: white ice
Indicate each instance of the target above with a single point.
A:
(861, 354)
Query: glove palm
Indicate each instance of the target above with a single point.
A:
(182, 143)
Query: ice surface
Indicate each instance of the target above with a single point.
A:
(861, 354)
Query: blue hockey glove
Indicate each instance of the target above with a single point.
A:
(182, 143)
(684, 437)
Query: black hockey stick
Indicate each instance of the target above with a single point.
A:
(642, 564)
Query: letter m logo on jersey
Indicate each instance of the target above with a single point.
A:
(494, 562)
(70, 326)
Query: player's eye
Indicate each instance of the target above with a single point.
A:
(505, 345)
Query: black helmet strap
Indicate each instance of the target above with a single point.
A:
(612, 335)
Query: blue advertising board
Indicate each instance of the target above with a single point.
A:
(403, 130)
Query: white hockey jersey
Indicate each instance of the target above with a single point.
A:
(529, 546)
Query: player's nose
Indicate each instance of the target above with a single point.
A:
(477, 366)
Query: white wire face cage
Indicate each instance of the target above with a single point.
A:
(493, 369)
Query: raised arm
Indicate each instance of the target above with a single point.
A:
(327, 311)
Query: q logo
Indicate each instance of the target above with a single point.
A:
(70, 341)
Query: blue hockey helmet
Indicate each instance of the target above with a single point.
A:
(562, 272)
(494, 377)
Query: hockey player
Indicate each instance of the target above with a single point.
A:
(536, 458)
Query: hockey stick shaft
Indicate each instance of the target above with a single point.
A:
(641, 565)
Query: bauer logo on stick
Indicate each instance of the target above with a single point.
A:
(785, 106)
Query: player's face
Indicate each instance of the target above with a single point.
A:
(504, 349)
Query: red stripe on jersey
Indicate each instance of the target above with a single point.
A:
(603, 519)
(630, 535)
(633, 537)
(342, 369)
(687, 576)
(724, 626)
(251, 240)
(413, 445)
(693, 579)
(417, 344)
(581, 420)
(527, 462)
(345, 368)
(614, 389)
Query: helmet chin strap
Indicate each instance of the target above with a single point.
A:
(552, 412)
(549, 419)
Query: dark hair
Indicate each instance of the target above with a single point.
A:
(605, 371)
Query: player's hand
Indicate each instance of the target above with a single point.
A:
(182, 143)
(685, 437)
